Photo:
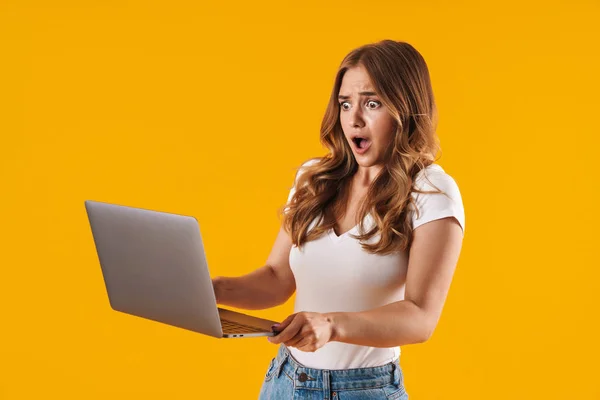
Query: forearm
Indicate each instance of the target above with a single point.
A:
(259, 289)
(395, 324)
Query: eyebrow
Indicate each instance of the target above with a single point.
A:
(341, 97)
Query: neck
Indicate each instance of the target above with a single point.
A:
(364, 176)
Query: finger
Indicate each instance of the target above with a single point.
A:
(283, 324)
(296, 339)
(288, 332)
(305, 344)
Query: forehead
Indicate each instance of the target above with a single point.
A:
(356, 79)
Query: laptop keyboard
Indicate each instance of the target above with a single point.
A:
(234, 327)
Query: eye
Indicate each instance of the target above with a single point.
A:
(368, 102)
(374, 102)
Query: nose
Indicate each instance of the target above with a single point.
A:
(356, 120)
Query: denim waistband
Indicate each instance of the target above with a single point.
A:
(340, 379)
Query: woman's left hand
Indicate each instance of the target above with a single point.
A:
(306, 331)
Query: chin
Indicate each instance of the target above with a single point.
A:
(365, 161)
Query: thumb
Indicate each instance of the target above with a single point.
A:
(284, 324)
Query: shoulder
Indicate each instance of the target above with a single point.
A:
(300, 170)
(308, 163)
(432, 204)
(434, 177)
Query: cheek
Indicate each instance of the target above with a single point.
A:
(384, 131)
(344, 124)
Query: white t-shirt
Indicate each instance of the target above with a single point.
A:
(334, 274)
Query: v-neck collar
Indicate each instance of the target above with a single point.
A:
(335, 238)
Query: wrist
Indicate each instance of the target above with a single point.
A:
(334, 323)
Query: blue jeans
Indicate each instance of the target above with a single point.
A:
(287, 379)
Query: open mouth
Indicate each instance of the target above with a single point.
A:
(361, 143)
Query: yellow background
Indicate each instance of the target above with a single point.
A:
(206, 109)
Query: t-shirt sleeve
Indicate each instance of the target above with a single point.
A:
(300, 172)
(434, 206)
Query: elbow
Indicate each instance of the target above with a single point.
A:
(425, 335)
(416, 337)
(422, 326)
(428, 326)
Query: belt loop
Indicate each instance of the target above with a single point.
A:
(283, 359)
(326, 385)
(394, 372)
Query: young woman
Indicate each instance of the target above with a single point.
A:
(370, 237)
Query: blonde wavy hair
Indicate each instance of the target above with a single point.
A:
(400, 77)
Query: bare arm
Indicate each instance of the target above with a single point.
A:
(432, 261)
(266, 287)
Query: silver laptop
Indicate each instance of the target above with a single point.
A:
(154, 267)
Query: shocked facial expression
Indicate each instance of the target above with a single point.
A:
(368, 126)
